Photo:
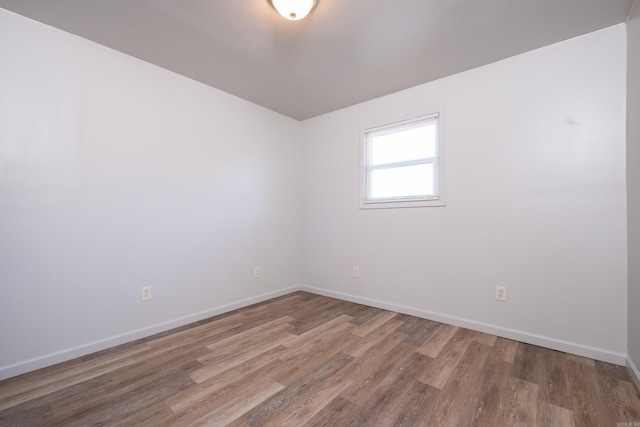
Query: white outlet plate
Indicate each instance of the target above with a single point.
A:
(356, 272)
(256, 272)
(145, 293)
(501, 293)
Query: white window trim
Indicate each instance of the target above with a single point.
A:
(411, 202)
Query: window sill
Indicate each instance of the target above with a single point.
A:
(422, 203)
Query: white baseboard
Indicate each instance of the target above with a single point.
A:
(542, 341)
(634, 372)
(85, 349)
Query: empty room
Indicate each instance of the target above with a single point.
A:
(320, 213)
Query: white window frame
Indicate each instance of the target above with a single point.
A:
(437, 199)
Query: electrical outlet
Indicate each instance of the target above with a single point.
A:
(501, 293)
(145, 293)
(356, 272)
(256, 272)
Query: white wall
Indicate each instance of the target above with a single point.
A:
(633, 185)
(535, 201)
(116, 174)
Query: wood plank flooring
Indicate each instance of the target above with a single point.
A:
(308, 360)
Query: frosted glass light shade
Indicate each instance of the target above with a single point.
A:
(293, 10)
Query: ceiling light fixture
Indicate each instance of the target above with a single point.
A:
(293, 10)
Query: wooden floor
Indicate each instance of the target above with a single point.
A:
(304, 359)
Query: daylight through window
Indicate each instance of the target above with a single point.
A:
(403, 164)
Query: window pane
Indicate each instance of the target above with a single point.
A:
(402, 182)
(410, 144)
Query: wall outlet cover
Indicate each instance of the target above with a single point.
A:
(145, 293)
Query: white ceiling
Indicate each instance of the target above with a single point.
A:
(345, 52)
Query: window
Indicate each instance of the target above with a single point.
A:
(403, 164)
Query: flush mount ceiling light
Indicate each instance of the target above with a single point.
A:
(293, 10)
